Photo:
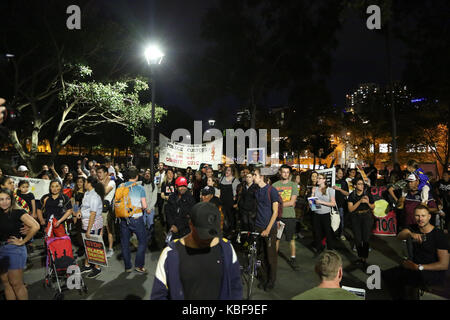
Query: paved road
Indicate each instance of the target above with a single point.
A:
(114, 284)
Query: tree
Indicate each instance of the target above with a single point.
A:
(257, 47)
(52, 84)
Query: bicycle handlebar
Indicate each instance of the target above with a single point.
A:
(252, 233)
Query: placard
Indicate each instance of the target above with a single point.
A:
(95, 250)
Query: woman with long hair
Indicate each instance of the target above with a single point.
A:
(325, 200)
(8, 183)
(167, 188)
(228, 196)
(77, 200)
(91, 217)
(360, 206)
(13, 253)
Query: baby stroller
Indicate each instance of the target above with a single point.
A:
(59, 260)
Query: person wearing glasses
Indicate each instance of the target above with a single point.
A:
(360, 206)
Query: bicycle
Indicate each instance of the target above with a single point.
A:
(249, 272)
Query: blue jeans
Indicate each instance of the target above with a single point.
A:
(148, 222)
(127, 226)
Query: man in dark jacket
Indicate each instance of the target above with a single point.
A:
(247, 203)
(178, 207)
(201, 265)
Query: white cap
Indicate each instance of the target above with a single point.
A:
(412, 177)
(22, 169)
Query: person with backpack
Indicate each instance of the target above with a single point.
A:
(129, 205)
(325, 200)
(178, 208)
(268, 205)
(228, 191)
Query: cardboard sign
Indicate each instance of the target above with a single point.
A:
(181, 155)
(330, 176)
(95, 250)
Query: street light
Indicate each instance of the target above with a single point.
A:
(154, 56)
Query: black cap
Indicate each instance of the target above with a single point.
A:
(205, 217)
(207, 191)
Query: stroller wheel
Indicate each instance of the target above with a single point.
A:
(59, 296)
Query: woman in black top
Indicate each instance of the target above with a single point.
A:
(77, 199)
(360, 205)
(167, 188)
(13, 253)
(54, 203)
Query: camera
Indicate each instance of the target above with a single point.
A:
(11, 118)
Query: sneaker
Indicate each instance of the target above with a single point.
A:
(354, 249)
(110, 253)
(84, 269)
(300, 236)
(129, 270)
(343, 238)
(95, 272)
(293, 263)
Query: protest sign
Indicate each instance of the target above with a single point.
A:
(330, 176)
(182, 155)
(38, 187)
(95, 250)
(385, 218)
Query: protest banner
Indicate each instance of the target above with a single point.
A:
(182, 155)
(38, 187)
(330, 176)
(95, 250)
(385, 218)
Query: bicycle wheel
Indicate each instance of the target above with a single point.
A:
(252, 275)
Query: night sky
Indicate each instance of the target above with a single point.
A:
(360, 56)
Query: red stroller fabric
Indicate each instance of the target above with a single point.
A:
(61, 253)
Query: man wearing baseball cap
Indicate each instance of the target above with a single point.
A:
(413, 198)
(178, 207)
(200, 266)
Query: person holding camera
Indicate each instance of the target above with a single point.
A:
(2, 110)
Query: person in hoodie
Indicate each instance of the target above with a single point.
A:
(178, 207)
(201, 265)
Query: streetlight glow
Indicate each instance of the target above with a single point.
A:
(153, 54)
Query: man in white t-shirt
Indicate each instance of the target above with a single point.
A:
(108, 219)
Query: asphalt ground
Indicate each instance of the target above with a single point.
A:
(115, 284)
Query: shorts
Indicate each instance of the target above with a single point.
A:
(12, 257)
(108, 220)
(289, 228)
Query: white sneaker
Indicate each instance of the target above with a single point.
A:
(343, 238)
(110, 253)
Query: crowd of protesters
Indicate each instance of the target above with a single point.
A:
(82, 198)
